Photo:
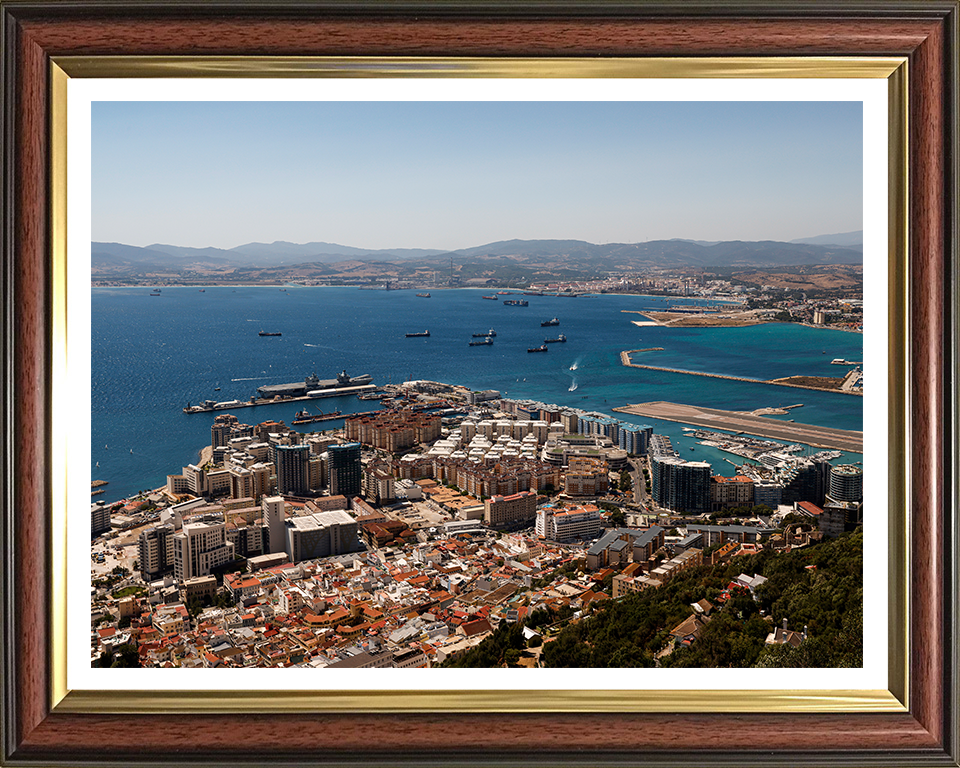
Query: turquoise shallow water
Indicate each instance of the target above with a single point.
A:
(152, 355)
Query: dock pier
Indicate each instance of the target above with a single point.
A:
(625, 359)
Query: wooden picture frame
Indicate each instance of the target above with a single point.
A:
(39, 730)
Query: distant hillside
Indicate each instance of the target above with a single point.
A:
(843, 238)
(527, 259)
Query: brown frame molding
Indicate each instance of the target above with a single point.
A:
(924, 32)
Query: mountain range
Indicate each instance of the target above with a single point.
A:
(577, 255)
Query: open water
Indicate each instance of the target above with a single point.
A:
(153, 355)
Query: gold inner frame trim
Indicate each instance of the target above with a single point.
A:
(441, 67)
(893, 69)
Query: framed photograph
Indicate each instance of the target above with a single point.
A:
(69, 71)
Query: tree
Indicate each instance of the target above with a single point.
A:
(626, 481)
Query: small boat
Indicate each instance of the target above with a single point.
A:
(203, 290)
(264, 333)
(417, 335)
(541, 348)
(546, 323)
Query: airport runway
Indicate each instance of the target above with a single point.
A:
(735, 421)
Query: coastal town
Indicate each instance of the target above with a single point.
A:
(459, 527)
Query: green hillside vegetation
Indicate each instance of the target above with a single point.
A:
(629, 632)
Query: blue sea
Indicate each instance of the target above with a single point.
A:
(152, 356)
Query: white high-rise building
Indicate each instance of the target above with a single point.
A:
(199, 548)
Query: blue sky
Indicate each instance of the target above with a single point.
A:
(451, 175)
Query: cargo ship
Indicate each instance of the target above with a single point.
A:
(305, 417)
(264, 333)
(561, 338)
(516, 302)
(541, 348)
(417, 335)
(545, 323)
(492, 298)
(484, 343)
(424, 295)
(491, 332)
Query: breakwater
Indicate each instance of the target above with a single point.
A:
(625, 359)
(625, 355)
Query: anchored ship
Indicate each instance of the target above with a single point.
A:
(484, 343)
(491, 332)
(541, 348)
(417, 335)
(561, 338)
(264, 333)
(545, 323)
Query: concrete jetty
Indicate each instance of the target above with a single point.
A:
(735, 421)
(625, 359)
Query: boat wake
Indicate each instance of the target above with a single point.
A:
(573, 386)
(576, 364)
(256, 378)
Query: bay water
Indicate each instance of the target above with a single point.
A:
(152, 355)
